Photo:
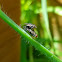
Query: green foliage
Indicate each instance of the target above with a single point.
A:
(34, 43)
(31, 12)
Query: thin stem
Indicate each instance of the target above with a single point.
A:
(45, 16)
(23, 51)
(31, 54)
(46, 21)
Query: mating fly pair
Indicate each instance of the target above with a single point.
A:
(30, 28)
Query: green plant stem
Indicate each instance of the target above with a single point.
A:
(45, 16)
(23, 51)
(31, 54)
(46, 21)
(34, 43)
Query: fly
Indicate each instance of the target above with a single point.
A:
(30, 28)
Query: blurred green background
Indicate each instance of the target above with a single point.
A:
(49, 28)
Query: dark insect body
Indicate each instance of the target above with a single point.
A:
(32, 32)
(30, 28)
